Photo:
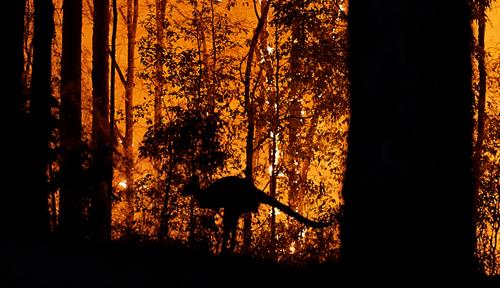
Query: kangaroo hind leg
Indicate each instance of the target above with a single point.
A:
(230, 221)
(233, 234)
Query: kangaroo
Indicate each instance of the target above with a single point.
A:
(237, 196)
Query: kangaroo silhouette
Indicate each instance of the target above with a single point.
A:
(237, 196)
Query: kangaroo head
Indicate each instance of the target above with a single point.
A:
(192, 187)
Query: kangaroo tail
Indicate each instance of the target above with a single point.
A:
(289, 211)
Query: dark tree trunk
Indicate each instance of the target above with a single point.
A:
(213, 78)
(408, 188)
(481, 98)
(102, 150)
(250, 113)
(16, 226)
(17, 62)
(71, 122)
(158, 113)
(114, 68)
(36, 206)
(295, 123)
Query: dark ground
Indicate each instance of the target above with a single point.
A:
(150, 265)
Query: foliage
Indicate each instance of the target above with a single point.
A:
(192, 141)
(196, 90)
(201, 132)
(488, 194)
(488, 197)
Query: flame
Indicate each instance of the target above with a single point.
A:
(292, 248)
(276, 212)
(123, 184)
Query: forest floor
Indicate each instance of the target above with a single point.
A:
(132, 265)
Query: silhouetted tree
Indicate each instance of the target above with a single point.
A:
(158, 93)
(249, 109)
(41, 93)
(17, 62)
(479, 8)
(408, 188)
(128, 143)
(101, 170)
(275, 124)
(71, 121)
(487, 207)
(159, 79)
(15, 228)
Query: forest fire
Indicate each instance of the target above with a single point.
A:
(222, 128)
(123, 184)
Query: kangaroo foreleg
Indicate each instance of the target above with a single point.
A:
(225, 238)
(233, 236)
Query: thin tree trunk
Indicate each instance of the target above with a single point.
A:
(213, 81)
(272, 89)
(480, 17)
(128, 145)
(102, 150)
(71, 121)
(481, 100)
(37, 205)
(203, 56)
(160, 35)
(28, 48)
(164, 222)
(275, 122)
(250, 113)
(28, 45)
(114, 67)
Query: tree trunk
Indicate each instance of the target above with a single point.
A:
(202, 53)
(160, 35)
(213, 80)
(16, 226)
(481, 99)
(250, 113)
(275, 123)
(164, 221)
(102, 150)
(114, 68)
(132, 17)
(37, 205)
(408, 188)
(71, 121)
(271, 95)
